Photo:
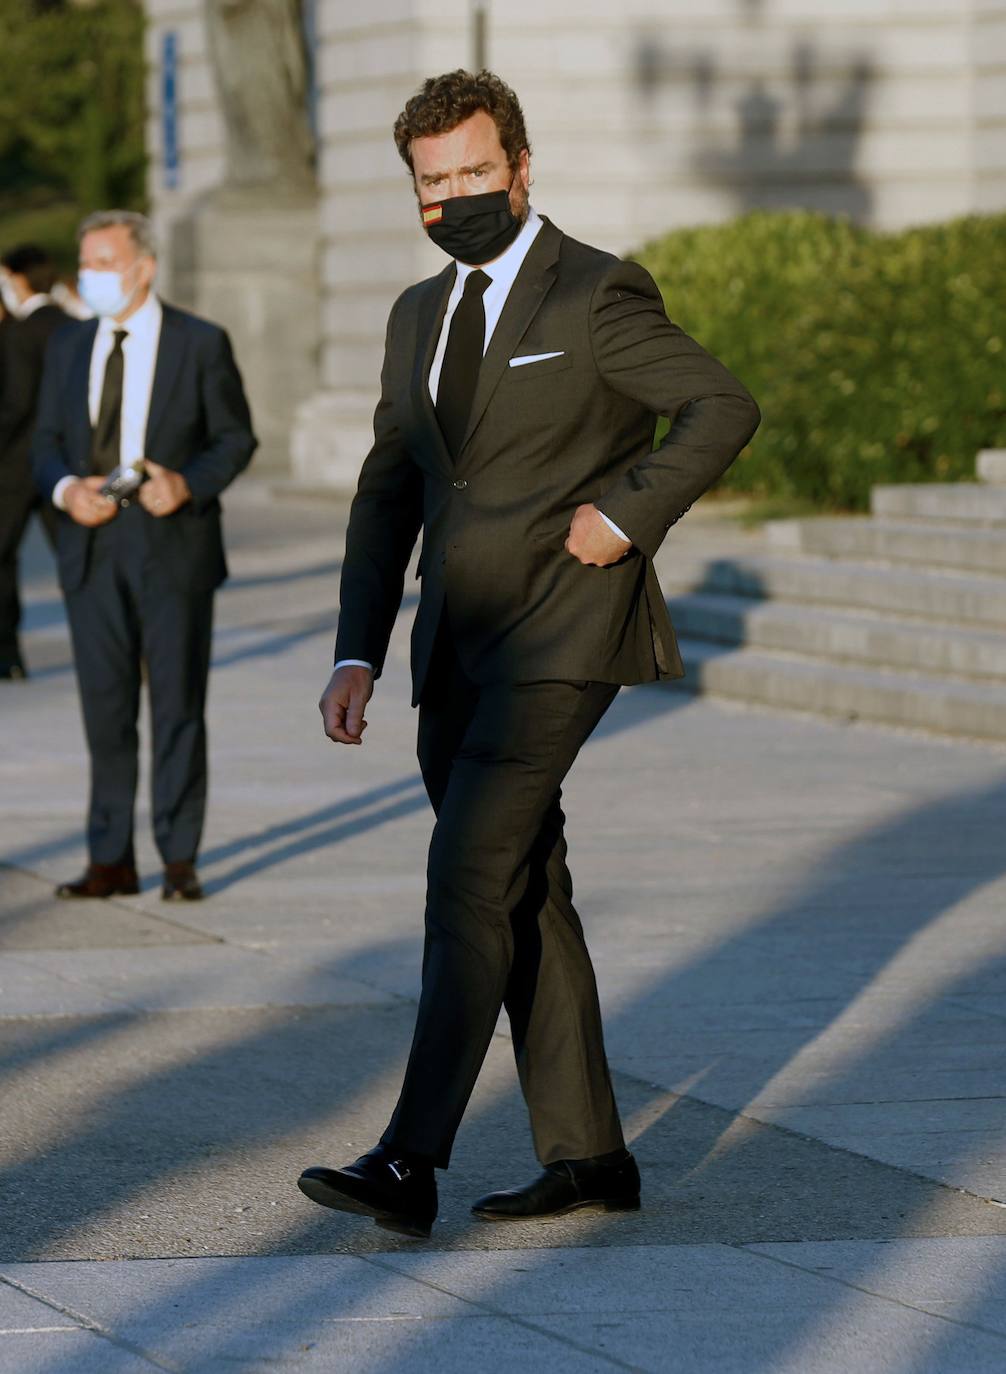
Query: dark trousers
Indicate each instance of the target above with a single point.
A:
(501, 929)
(128, 614)
(18, 499)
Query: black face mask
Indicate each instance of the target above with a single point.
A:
(473, 229)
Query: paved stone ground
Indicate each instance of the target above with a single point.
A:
(799, 939)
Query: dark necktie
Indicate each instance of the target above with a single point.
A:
(462, 360)
(105, 444)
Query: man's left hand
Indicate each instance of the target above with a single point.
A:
(164, 491)
(592, 540)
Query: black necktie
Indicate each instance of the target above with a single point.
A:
(462, 360)
(105, 445)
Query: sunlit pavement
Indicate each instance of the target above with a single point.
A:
(798, 930)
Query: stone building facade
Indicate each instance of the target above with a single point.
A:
(643, 115)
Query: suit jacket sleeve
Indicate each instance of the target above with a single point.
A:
(641, 354)
(384, 521)
(48, 448)
(230, 442)
(19, 378)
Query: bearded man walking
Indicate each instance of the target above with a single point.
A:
(519, 395)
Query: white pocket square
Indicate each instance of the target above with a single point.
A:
(535, 358)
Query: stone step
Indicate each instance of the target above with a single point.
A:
(971, 502)
(954, 598)
(922, 542)
(837, 690)
(842, 636)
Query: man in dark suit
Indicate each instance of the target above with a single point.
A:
(26, 277)
(142, 381)
(515, 428)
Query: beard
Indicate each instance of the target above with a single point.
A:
(520, 202)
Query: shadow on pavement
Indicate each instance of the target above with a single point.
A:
(712, 1173)
(242, 582)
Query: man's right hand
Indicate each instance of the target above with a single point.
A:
(84, 502)
(343, 703)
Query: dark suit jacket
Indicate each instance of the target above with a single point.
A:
(198, 425)
(23, 343)
(542, 439)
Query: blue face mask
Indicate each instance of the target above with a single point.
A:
(104, 292)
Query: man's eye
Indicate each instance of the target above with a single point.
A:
(479, 172)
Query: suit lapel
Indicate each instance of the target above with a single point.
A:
(80, 385)
(428, 327)
(170, 351)
(531, 286)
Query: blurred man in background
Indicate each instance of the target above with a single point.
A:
(27, 277)
(144, 381)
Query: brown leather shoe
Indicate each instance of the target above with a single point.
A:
(103, 880)
(181, 883)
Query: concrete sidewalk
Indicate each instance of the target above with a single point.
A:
(798, 930)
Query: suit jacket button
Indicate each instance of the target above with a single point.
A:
(460, 484)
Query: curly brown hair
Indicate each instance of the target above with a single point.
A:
(446, 101)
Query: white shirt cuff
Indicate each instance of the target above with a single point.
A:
(611, 525)
(59, 492)
(354, 663)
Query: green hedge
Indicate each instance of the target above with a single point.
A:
(874, 357)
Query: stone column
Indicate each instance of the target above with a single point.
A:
(242, 248)
(371, 244)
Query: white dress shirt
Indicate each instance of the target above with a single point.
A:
(30, 304)
(139, 355)
(502, 274)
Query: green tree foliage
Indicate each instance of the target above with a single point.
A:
(874, 357)
(71, 104)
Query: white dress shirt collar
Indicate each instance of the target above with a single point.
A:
(504, 269)
(31, 304)
(144, 324)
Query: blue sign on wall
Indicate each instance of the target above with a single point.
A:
(169, 108)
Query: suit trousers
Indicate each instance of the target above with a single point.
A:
(501, 928)
(129, 615)
(18, 499)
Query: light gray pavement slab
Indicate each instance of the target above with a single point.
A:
(907, 1306)
(798, 930)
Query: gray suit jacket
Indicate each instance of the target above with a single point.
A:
(542, 439)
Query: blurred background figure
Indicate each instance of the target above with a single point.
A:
(144, 381)
(67, 297)
(27, 277)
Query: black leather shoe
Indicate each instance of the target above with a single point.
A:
(610, 1182)
(400, 1196)
(181, 883)
(102, 880)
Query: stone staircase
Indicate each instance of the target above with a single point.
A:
(898, 617)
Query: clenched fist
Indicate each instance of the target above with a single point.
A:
(343, 703)
(592, 540)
